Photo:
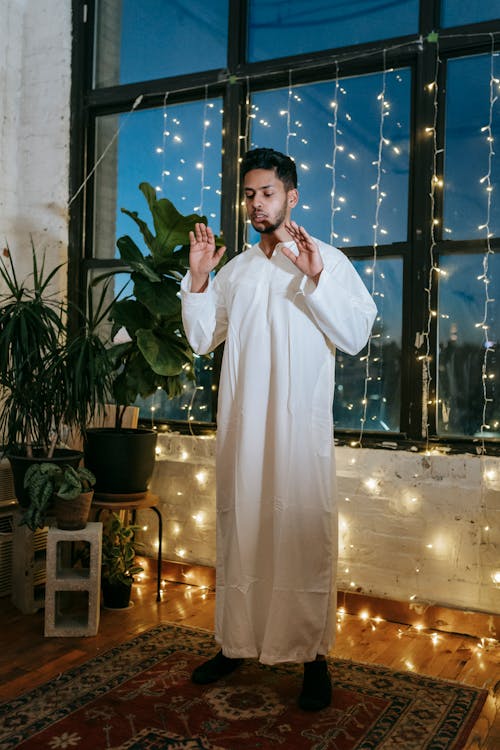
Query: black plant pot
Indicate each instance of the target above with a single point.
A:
(122, 460)
(20, 463)
(116, 595)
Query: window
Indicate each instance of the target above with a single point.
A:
(392, 121)
(279, 28)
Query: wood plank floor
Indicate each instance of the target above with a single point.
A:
(28, 659)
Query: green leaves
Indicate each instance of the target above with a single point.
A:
(158, 355)
(44, 480)
(118, 551)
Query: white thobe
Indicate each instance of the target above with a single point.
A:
(276, 509)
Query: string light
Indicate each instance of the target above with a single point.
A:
(376, 228)
(431, 131)
(289, 114)
(164, 171)
(333, 166)
(488, 300)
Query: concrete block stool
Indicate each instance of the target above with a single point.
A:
(72, 595)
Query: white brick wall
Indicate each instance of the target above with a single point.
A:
(35, 80)
(412, 527)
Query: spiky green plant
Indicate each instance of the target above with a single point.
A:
(50, 382)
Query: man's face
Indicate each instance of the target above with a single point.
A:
(267, 202)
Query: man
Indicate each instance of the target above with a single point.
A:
(282, 307)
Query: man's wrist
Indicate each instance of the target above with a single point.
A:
(199, 282)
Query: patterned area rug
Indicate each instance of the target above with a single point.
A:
(139, 695)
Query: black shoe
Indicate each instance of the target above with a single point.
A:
(316, 688)
(215, 668)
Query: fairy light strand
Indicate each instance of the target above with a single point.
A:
(486, 475)
(203, 148)
(335, 105)
(426, 358)
(164, 140)
(289, 114)
(485, 278)
(376, 228)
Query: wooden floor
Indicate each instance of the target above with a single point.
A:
(28, 659)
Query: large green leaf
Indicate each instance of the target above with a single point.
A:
(164, 354)
(159, 297)
(145, 231)
(132, 315)
(130, 254)
(172, 228)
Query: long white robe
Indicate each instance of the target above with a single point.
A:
(276, 507)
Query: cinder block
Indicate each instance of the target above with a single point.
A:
(72, 595)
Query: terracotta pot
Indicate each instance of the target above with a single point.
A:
(72, 515)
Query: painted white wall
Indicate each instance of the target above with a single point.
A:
(35, 84)
(386, 526)
(411, 526)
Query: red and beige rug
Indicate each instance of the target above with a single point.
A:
(139, 696)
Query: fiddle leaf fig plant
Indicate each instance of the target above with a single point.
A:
(157, 353)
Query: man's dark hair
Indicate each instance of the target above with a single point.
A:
(268, 158)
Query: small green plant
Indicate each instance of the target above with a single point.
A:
(118, 551)
(44, 480)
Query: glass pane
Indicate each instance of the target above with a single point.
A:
(465, 346)
(176, 149)
(472, 173)
(139, 41)
(461, 12)
(195, 404)
(279, 28)
(378, 376)
(303, 124)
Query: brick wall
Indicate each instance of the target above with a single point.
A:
(412, 527)
(35, 79)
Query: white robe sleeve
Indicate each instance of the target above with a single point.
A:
(341, 305)
(204, 316)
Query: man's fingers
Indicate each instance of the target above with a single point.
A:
(289, 253)
(220, 252)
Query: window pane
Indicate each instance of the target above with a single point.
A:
(304, 121)
(463, 344)
(381, 372)
(461, 12)
(279, 28)
(176, 149)
(139, 41)
(195, 404)
(471, 205)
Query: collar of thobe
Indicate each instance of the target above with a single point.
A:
(277, 249)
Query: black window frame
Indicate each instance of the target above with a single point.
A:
(232, 84)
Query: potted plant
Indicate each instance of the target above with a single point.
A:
(156, 353)
(51, 382)
(61, 489)
(118, 562)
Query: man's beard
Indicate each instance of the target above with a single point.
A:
(270, 228)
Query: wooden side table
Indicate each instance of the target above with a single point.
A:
(134, 502)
